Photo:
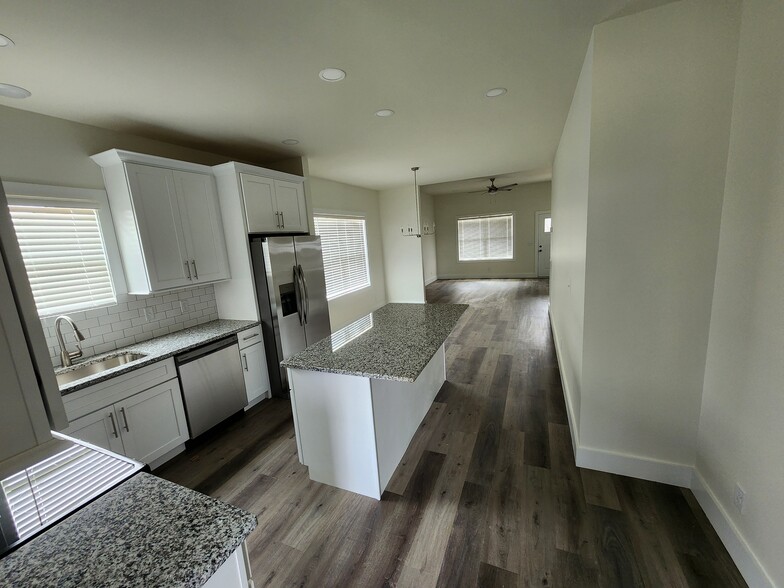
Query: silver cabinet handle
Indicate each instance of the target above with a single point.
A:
(125, 419)
(114, 425)
(282, 221)
(245, 361)
(188, 269)
(250, 336)
(195, 271)
(277, 219)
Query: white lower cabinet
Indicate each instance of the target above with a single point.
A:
(144, 426)
(234, 573)
(152, 423)
(99, 428)
(254, 365)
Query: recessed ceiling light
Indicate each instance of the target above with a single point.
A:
(10, 91)
(332, 74)
(5, 42)
(290, 142)
(495, 92)
(385, 112)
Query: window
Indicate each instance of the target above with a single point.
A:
(65, 257)
(344, 247)
(485, 237)
(548, 224)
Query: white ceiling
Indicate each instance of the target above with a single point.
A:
(239, 76)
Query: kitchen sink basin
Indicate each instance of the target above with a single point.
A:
(96, 367)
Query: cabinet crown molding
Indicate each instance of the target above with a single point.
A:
(117, 156)
(235, 167)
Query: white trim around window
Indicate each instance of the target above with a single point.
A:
(22, 194)
(488, 237)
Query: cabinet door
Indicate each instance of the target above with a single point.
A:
(260, 209)
(254, 365)
(159, 223)
(100, 428)
(290, 200)
(152, 422)
(201, 220)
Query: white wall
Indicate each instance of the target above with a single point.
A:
(568, 240)
(523, 201)
(403, 266)
(428, 216)
(661, 105)
(741, 434)
(334, 197)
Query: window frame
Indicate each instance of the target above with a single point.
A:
(480, 216)
(348, 215)
(66, 197)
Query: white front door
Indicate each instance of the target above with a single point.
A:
(544, 228)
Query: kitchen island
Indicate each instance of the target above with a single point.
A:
(359, 395)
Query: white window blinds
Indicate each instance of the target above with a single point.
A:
(344, 247)
(55, 486)
(485, 237)
(65, 257)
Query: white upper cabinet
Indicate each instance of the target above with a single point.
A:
(290, 198)
(261, 209)
(272, 201)
(167, 219)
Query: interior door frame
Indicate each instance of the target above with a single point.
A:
(536, 239)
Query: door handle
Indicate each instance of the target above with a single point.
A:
(305, 292)
(245, 361)
(114, 425)
(188, 269)
(298, 294)
(125, 419)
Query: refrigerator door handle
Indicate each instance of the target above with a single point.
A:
(298, 294)
(305, 292)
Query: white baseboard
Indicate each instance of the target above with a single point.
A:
(676, 474)
(635, 466)
(567, 388)
(749, 566)
(475, 277)
(429, 281)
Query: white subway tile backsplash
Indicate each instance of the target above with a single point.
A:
(123, 324)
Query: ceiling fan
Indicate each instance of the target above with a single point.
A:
(492, 188)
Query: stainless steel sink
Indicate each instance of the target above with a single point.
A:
(89, 369)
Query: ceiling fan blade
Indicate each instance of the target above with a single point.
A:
(479, 192)
(508, 186)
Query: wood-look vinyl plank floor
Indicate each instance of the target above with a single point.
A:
(487, 494)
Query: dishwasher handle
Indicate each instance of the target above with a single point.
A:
(205, 350)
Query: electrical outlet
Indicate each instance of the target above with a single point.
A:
(739, 499)
(149, 313)
(182, 307)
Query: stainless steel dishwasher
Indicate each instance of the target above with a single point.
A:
(213, 387)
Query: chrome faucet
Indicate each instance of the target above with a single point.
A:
(67, 357)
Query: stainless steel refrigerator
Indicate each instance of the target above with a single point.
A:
(292, 297)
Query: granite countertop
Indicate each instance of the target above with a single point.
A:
(146, 532)
(155, 350)
(394, 342)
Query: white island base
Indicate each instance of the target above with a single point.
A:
(352, 431)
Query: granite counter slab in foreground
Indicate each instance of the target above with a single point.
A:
(147, 532)
(395, 342)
